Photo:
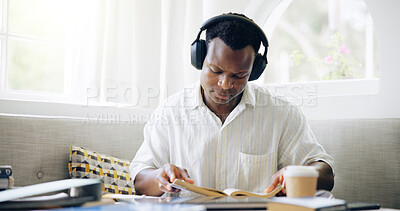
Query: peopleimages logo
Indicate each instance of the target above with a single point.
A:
(300, 95)
(304, 95)
(116, 118)
(135, 119)
(120, 96)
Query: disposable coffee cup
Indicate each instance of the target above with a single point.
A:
(301, 181)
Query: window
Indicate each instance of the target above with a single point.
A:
(316, 41)
(67, 51)
(76, 58)
(33, 46)
(94, 52)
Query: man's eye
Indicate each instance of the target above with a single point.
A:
(239, 77)
(216, 72)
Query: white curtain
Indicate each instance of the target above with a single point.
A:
(137, 53)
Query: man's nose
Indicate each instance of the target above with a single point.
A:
(225, 83)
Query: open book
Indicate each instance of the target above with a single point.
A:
(180, 184)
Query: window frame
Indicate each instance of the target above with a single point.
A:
(26, 95)
(325, 88)
(379, 105)
(3, 45)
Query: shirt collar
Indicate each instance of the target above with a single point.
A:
(249, 97)
(196, 100)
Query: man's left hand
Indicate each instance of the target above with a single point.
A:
(277, 179)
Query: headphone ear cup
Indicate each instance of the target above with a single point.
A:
(258, 67)
(198, 51)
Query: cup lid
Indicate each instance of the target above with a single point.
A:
(301, 171)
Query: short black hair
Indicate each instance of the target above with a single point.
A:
(235, 34)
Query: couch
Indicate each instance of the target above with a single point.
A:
(366, 151)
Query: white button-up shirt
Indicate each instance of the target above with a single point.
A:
(263, 134)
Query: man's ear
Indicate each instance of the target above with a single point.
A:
(259, 64)
(198, 51)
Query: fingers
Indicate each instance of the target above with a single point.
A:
(269, 189)
(276, 179)
(163, 181)
(170, 171)
(281, 181)
(274, 183)
(168, 174)
(185, 176)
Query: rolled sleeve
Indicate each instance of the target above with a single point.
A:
(154, 151)
(298, 145)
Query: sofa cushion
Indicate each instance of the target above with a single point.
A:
(114, 172)
(366, 156)
(366, 151)
(37, 147)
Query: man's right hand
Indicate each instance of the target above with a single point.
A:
(154, 182)
(167, 174)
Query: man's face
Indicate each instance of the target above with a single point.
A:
(225, 73)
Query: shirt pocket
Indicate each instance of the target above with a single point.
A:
(255, 171)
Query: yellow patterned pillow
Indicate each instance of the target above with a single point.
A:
(112, 171)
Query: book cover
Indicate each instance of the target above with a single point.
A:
(180, 184)
(5, 171)
(306, 204)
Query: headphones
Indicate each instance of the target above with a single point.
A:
(198, 48)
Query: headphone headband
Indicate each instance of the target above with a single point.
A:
(198, 48)
(229, 17)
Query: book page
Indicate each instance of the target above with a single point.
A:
(180, 184)
(237, 192)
